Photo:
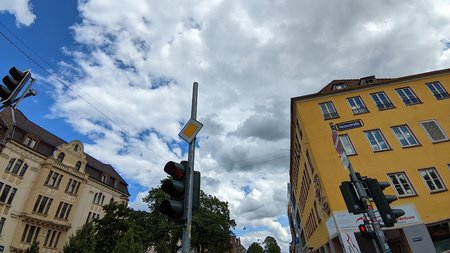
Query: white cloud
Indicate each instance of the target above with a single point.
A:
(139, 59)
(19, 8)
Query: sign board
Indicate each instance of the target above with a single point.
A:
(340, 149)
(349, 125)
(190, 130)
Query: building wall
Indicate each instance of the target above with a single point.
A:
(23, 213)
(316, 132)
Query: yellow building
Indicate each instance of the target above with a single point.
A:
(395, 130)
(48, 188)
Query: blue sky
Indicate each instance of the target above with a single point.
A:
(135, 62)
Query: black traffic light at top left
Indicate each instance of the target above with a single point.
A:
(175, 187)
(13, 84)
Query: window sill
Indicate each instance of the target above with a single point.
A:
(358, 113)
(438, 191)
(417, 103)
(412, 146)
(384, 150)
(385, 109)
(440, 141)
(407, 196)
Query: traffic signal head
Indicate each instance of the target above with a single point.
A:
(352, 201)
(175, 187)
(382, 202)
(13, 83)
(363, 229)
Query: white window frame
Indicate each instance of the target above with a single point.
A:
(384, 99)
(408, 96)
(377, 140)
(427, 171)
(358, 106)
(405, 134)
(438, 90)
(328, 110)
(438, 127)
(401, 185)
(347, 144)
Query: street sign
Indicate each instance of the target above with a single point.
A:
(340, 149)
(190, 130)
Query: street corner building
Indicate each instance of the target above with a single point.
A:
(395, 130)
(49, 188)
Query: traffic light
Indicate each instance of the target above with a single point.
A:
(196, 192)
(175, 187)
(13, 84)
(352, 201)
(382, 201)
(363, 229)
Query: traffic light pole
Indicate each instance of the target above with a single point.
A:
(187, 229)
(362, 195)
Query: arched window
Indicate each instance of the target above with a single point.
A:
(76, 147)
(60, 157)
(78, 166)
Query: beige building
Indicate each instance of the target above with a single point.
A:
(49, 187)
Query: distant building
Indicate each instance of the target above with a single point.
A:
(49, 188)
(236, 246)
(395, 130)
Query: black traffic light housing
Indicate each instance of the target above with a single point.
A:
(351, 198)
(364, 230)
(175, 187)
(13, 84)
(382, 202)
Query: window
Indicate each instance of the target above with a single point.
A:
(63, 210)
(432, 179)
(53, 179)
(347, 144)
(99, 198)
(50, 241)
(92, 216)
(405, 136)
(407, 95)
(434, 131)
(328, 110)
(78, 166)
(72, 186)
(17, 167)
(438, 90)
(377, 140)
(402, 184)
(357, 105)
(104, 179)
(2, 223)
(7, 193)
(30, 233)
(340, 86)
(30, 142)
(382, 101)
(42, 204)
(60, 157)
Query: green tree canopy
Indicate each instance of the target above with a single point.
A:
(255, 248)
(83, 241)
(271, 245)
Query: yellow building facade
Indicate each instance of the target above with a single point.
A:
(49, 188)
(395, 130)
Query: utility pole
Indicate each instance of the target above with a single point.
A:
(187, 229)
(361, 193)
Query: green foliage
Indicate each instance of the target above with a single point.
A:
(255, 248)
(271, 245)
(83, 241)
(129, 242)
(34, 248)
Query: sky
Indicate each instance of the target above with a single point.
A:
(117, 75)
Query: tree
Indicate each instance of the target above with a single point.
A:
(34, 248)
(255, 248)
(212, 219)
(129, 242)
(271, 245)
(83, 241)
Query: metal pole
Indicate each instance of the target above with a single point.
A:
(186, 241)
(370, 212)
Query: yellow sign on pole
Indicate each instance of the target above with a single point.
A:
(190, 130)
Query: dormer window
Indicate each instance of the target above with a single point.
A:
(78, 166)
(340, 86)
(60, 157)
(30, 142)
(104, 179)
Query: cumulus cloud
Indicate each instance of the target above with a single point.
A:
(140, 59)
(21, 9)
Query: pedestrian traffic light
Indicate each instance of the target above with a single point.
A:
(13, 84)
(382, 202)
(352, 201)
(363, 229)
(175, 187)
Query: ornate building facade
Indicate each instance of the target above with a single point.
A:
(49, 187)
